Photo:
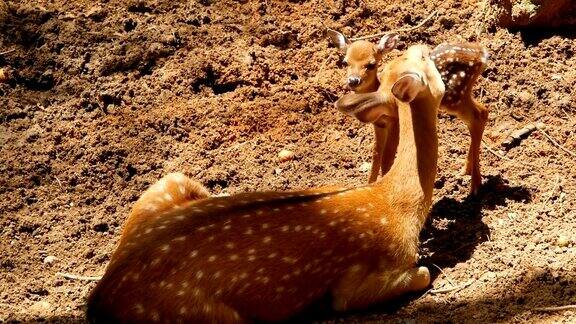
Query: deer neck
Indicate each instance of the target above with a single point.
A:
(410, 180)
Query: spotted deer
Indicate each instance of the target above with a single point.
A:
(362, 60)
(264, 256)
(460, 65)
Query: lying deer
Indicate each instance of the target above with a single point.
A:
(264, 256)
(460, 65)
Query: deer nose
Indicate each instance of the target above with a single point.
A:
(353, 81)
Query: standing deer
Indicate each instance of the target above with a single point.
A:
(363, 59)
(265, 256)
(460, 65)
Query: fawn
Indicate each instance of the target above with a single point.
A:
(460, 65)
(264, 256)
(363, 59)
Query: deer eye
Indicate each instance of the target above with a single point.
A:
(370, 65)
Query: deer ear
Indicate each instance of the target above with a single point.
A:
(338, 39)
(387, 43)
(408, 86)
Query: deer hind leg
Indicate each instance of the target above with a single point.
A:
(362, 288)
(380, 136)
(172, 190)
(390, 146)
(475, 115)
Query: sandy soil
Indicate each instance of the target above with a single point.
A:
(102, 98)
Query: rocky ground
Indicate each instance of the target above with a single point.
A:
(99, 99)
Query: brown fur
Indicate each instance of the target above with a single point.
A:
(266, 255)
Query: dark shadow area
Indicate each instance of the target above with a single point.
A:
(533, 36)
(455, 228)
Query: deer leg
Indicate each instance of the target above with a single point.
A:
(390, 146)
(172, 190)
(380, 136)
(475, 116)
(363, 288)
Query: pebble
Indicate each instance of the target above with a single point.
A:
(50, 259)
(285, 155)
(365, 166)
(563, 241)
(42, 308)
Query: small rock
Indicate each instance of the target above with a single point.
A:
(42, 308)
(50, 259)
(365, 166)
(285, 155)
(4, 75)
(563, 241)
(277, 171)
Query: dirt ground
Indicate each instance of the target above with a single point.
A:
(102, 98)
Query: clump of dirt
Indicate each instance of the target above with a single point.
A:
(100, 99)
(539, 13)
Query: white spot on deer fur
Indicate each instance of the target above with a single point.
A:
(148, 230)
(211, 258)
(155, 316)
(323, 211)
(207, 308)
(249, 231)
(211, 238)
(297, 228)
(260, 212)
(139, 308)
(289, 260)
(151, 208)
(280, 289)
(165, 248)
(462, 74)
(182, 310)
(272, 255)
(226, 227)
(450, 59)
(276, 209)
(179, 239)
(155, 262)
(267, 239)
(285, 228)
(199, 274)
(217, 274)
(246, 216)
(180, 217)
(251, 251)
(251, 258)
(234, 257)
(193, 253)
(265, 226)
(332, 223)
(265, 280)
(180, 293)
(243, 275)
(201, 229)
(168, 197)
